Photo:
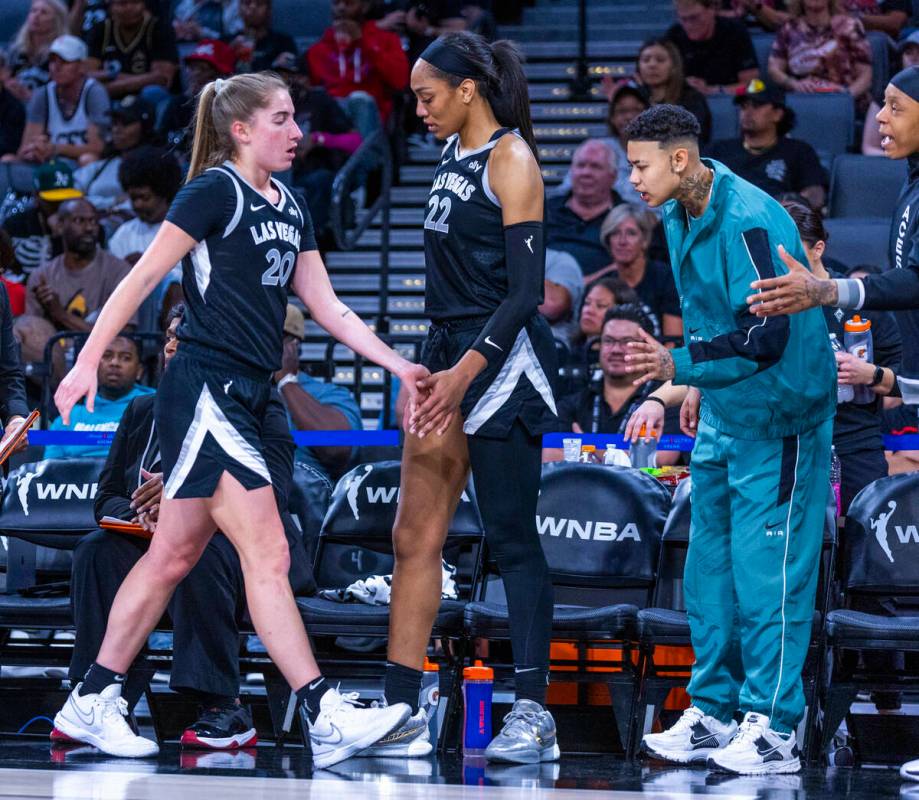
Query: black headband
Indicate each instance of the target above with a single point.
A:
(451, 61)
(907, 80)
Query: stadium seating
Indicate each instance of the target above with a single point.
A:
(855, 241)
(725, 122)
(825, 121)
(865, 186)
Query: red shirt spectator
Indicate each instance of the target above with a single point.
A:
(352, 57)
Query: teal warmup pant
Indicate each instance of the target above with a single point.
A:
(758, 510)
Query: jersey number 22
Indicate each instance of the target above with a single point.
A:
(441, 225)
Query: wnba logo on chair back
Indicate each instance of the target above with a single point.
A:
(904, 535)
(598, 530)
(54, 495)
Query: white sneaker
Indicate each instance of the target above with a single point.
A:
(757, 750)
(99, 720)
(910, 771)
(412, 739)
(343, 729)
(692, 739)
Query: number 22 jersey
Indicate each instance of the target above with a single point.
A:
(236, 278)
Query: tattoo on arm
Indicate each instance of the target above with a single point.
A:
(822, 293)
(346, 312)
(666, 366)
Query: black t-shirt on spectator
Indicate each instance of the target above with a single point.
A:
(694, 101)
(592, 413)
(265, 50)
(317, 112)
(717, 60)
(657, 290)
(580, 238)
(12, 122)
(790, 166)
(154, 42)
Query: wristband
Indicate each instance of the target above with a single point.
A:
(654, 399)
(878, 376)
(285, 380)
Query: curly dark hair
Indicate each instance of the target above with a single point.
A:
(664, 124)
(153, 167)
(631, 312)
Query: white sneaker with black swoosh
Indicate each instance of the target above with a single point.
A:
(100, 720)
(343, 728)
(692, 739)
(757, 750)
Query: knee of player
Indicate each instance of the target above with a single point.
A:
(411, 543)
(271, 559)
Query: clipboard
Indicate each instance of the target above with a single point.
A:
(16, 438)
(123, 526)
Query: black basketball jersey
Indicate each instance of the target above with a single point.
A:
(235, 279)
(464, 236)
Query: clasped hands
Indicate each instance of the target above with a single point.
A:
(434, 399)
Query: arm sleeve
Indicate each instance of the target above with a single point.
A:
(113, 497)
(893, 290)
(755, 344)
(200, 207)
(525, 255)
(12, 382)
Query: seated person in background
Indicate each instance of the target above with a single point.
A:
(152, 178)
(28, 53)
(871, 135)
(765, 155)
(627, 232)
(357, 63)
(119, 372)
(573, 220)
(211, 59)
(258, 44)
(718, 54)
(659, 73)
(69, 117)
(33, 231)
(626, 103)
(132, 126)
(886, 16)
(562, 290)
(821, 49)
(606, 405)
(15, 290)
(133, 52)
(770, 14)
(67, 293)
(207, 607)
(313, 405)
(205, 19)
(12, 113)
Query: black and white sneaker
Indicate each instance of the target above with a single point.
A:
(757, 750)
(691, 740)
(412, 739)
(226, 727)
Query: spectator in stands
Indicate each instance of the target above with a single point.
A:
(258, 45)
(207, 607)
(12, 113)
(607, 403)
(68, 291)
(718, 55)
(119, 372)
(132, 125)
(28, 54)
(13, 407)
(821, 49)
(32, 231)
(313, 405)
(659, 72)
(770, 14)
(84, 14)
(151, 178)
(133, 52)
(358, 62)
(563, 288)
(886, 16)
(68, 117)
(206, 19)
(764, 154)
(599, 297)
(871, 135)
(211, 59)
(15, 290)
(574, 219)
(627, 232)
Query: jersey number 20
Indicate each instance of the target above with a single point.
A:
(441, 225)
(279, 268)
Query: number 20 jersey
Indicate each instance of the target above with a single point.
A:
(464, 236)
(236, 278)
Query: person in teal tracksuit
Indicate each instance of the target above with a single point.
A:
(760, 466)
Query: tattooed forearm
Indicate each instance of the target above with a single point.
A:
(822, 293)
(666, 368)
(694, 190)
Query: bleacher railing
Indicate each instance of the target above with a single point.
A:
(374, 153)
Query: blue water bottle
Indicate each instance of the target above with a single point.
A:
(478, 683)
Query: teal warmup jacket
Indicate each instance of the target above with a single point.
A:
(761, 378)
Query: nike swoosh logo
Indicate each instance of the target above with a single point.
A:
(709, 738)
(694, 330)
(327, 738)
(771, 525)
(88, 721)
(517, 670)
(493, 344)
(314, 684)
(256, 208)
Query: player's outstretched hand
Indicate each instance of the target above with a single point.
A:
(411, 378)
(650, 415)
(689, 412)
(445, 391)
(795, 291)
(80, 382)
(650, 359)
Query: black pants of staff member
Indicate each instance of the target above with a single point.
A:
(206, 610)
